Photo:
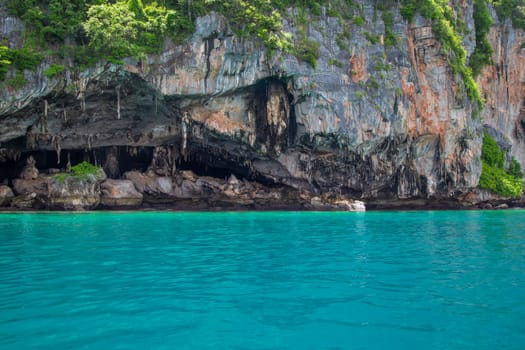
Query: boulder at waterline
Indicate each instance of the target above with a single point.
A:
(26, 186)
(6, 195)
(119, 193)
(73, 193)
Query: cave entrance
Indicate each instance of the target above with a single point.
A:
(118, 160)
(127, 158)
(214, 167)
(48, 162)
(10, 169)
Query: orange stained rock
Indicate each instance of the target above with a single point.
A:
(427, 105)
(409, 93)
(358, 62)
(411, 53)
(219, 121)
(131, 68)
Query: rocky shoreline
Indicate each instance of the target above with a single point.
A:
(183, 190)
(433, 204)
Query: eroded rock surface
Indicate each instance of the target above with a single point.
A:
(73, 193)
(6, 195)
(30, 172)
(186, 190)
(26, 202)
(119, 193)
(38, 186)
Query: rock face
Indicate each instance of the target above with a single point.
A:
(38, 186)
(26, 201)
(503, 85)
(120, 193)
(371, 121)
(186, 190)
(73, 193)
(30, 172)
(6, 195)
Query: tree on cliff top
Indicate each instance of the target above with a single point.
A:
(112, 29)
(128, 28)
(137, 8)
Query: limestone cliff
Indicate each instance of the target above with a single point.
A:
(371, 121)
(503, 85)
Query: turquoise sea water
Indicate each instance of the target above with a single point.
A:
(378, 280)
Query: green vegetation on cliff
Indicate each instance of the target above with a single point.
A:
(445, 28)
(494, 177)
(4, 61)
(513, 9)
(90, 30)
(448, 30)
(129, 28)
(83, 171)
(482, 54)
(54, 70)
(21, 59)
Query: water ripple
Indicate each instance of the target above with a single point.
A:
(451, 280)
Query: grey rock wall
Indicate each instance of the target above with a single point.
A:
(370, 121)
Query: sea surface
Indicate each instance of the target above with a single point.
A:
(263, 280)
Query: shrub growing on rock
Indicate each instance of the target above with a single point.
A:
(83, 171)
(494, 177)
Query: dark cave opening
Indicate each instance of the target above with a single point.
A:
(129, 158)
(10, 169)
(210, 164)
(203, 169)
(214, 167)
(48, 162)
(118, 160)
